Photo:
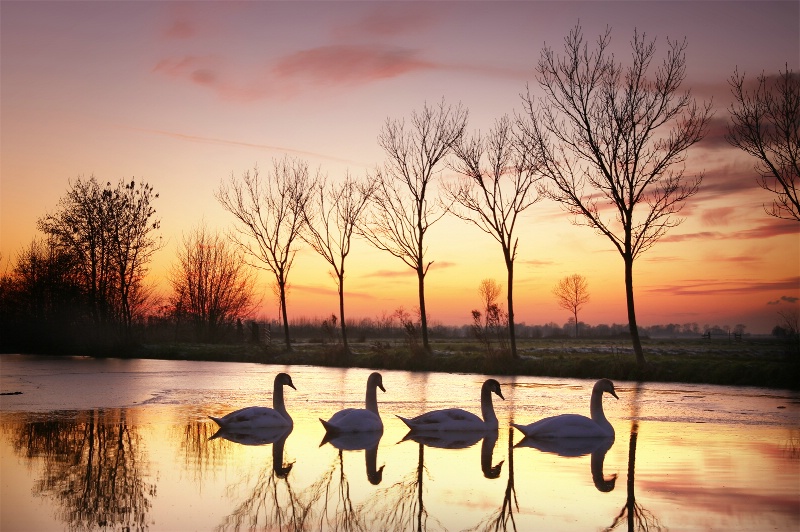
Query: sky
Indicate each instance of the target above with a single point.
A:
(183, 95)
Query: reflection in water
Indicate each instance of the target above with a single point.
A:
(272, 499)
(462, 440)
(573, 447)
(93, 467)
(355, 441)
(199, 458)
(637, 517)
(503, 518)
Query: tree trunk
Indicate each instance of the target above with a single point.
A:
(512, 335)
(423, 315)
(282, 286)
(575, 314)
(637, 343)
(341, 314)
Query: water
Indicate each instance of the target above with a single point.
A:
(109, 444)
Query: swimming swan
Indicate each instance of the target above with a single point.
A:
(574, 425)
(259, 417)
(456, 419)
(357, 419)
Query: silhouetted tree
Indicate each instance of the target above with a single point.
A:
(110, 231)
(402, 211)
(492, 321)
(332, 216)
(211, 283)
(765, 123)
(270, 215)
(498, 185)
(572, 292)
(611, 139)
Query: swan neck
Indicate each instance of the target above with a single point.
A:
(372, 398)
(596, 408)
(487, 408)
(277, 401)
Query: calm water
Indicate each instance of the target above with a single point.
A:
(109, 444)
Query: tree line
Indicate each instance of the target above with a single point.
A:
(607, 141)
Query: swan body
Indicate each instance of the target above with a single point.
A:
(359, 419)
(260, 417)
(575, 425)
(456, 419)
(257, 436)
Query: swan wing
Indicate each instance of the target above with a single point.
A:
(353, 420)
(563, 426)
(449, 419)
(252, 417)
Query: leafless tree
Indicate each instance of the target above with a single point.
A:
(572, 292)
(499, 183)
(332, 216)
(612, 142)
(270, 215)
(765, 123)
(493, 321)
(211, 283)
(402, 211)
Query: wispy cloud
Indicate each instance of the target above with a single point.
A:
(349, 64)
(715, 287)
(784, 299)
(770, 227)
(323, 291)
(239, 143)
(389, 20)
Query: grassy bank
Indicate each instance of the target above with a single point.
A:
(750, 362)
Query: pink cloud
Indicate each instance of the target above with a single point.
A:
(342, 64)
(718, 216)
(388, 20)
(714, 287)
(770, 227)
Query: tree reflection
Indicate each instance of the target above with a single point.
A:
(503, 518)
(634, 514)
(93, 467)
(271, 501)
(574, 447)
(334, 491)
(198, 456)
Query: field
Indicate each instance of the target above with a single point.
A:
(751, 361)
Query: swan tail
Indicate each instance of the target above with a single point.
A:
(406, 421)
(217, 420)
(329, 429)
(521, 428)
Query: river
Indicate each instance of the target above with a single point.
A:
(105, 444)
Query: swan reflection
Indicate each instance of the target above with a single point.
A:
(262, 436)
(356, 441)
(575, 447)
(462, 440)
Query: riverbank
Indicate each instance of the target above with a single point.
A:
(766, 362)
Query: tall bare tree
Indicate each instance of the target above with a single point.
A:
(765, 122)
(211, 283)
(270, 215)
(572, 292)
(402, 211)
(499, 183)
(612, 142)
(332, 216)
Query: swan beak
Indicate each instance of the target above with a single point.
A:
(498, 392)
(382, 388)
(612, 392)
(291, 386)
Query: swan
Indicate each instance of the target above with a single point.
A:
(456, 419)
(574, 425)
(258, 417)
(359, 419)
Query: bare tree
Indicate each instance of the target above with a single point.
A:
(270, 215)
(493, 322)
(765, 123)
(211, 283)
(612, 142)
(572, 292)
(402, 211)
(498, 185)
(332, 216)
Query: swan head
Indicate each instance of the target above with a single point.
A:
(605, 385)
(375, 381)
(494, 387)
(285, 380)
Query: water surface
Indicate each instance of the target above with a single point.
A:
(108, 444)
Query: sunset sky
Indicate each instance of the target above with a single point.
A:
(184, 94)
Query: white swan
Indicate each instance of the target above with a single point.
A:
(574, 425)
(359, 419)
(456, 419)
(260, 417)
